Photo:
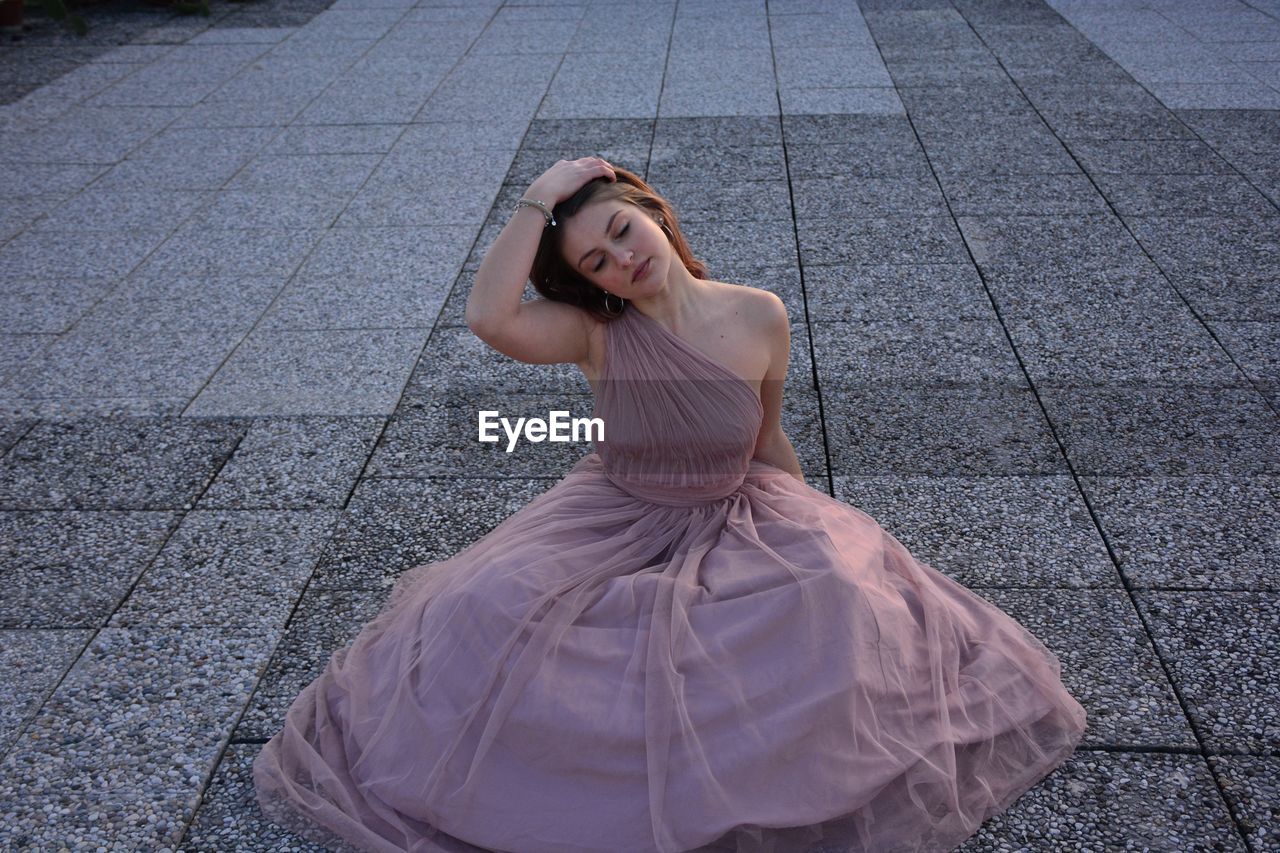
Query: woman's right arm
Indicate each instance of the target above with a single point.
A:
(540, 331)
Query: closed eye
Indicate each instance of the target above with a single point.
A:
(600, 265)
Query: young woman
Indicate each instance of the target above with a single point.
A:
(681, 645)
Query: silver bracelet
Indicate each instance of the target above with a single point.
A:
(529, 202)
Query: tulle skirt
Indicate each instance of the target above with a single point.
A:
(768, 672)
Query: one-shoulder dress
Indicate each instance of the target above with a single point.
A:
(677, 647)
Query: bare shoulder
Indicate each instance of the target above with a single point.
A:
(762, 310)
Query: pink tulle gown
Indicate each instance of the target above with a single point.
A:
(677, 647)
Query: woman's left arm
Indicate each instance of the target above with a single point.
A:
(772, 444)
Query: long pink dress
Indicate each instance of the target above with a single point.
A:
(677, 647)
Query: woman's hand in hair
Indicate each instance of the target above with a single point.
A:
(566, 177)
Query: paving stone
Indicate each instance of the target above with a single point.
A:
(108, 360)
(938, 429)
(1061, 194)
(1127, 346)
(32, 305)
(312, 372)
(139, 463)
(1248, 783)
(1101, 800)
(1198, 532)
(1253, 346)
(295, 463)
(31, 664)
(128, 736)
(892, 239)
(838, 197)
(1006, 531)
(227, 568)
(717, 201)
(1192, 195)
(71, 568)
(1147, 157)
(716, 162)
(1221, 648)
(1150, 428)
(393, 525)
(1108, 664)
(853, 292)
(162, 305)
(590, 85)
(910, 351)
(12, 429)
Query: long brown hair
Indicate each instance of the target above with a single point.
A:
(552, 275)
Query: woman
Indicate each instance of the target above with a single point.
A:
(680, 646)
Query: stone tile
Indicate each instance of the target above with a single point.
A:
(115, 210)
(429, 255)
(733, 28)
(1037, 153)
(187, 158)
(1021, 195)
(33, 305)
(99, 134)
(1001, 98)
(838, 197)
(1106, 800)
(228, 568)
(166, 700)
(139, 463)
(71, 569)
(1071, 123)
(938, 429)
(1084, 244)
(1133, 287)
(1198, 532)
(914, 351)
(1147, 157)
(1127, 346)
(437, 435)
(282, 211)
(356, 139)
(1144, 428)
(12, 429)
(45, 254)
(17, 350)
(105, 360)
(1108, 664)
(964, 68)
(1231, 264)
(587, 135)
(325, 372)
(325, 301)
(802, 422)
(873, 100)
(644, 27)
(829, 67)
(888, 239)
(295, 463)
(741, 248)
(732, 200)
(31, 664)
(162, 305)
(879, 158)
(717, 132)
(304, 173)
(878, 135)
(719, 82)
(194, 249)
(21, 211)
(1204, 635)
(394, 525)
(989, 531)
(856, 292)
(1248, 783)
(454, 311)
(597, 85)
(1252, 95)
(457, 361)
(1191, 195)
(524, 36)
(716, 162)
(1253, 346)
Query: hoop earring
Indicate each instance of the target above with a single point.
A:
(662, 223)
(622, 303)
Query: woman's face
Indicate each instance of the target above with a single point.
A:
(608, 242)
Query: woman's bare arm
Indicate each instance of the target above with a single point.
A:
(540, 331)
(772, 444)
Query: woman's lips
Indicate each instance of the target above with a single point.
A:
(644, 268)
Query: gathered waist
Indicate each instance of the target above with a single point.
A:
(686, 495)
